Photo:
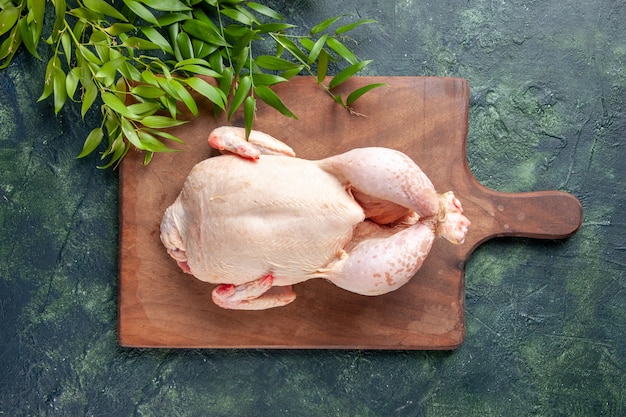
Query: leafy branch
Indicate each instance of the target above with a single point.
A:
(155, 53)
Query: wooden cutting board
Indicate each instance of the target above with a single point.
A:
(426, 118)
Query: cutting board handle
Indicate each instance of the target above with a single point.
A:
(539, 214)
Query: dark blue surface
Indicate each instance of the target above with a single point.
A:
(546, 320)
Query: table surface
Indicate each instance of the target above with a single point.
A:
(545, 319)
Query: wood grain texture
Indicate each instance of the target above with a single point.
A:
(426, 118)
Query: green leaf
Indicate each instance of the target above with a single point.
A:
(151, 143)
(8, 18)
(289, 74)
(243, 38)
(167, 5)
(273, 27)
(59, 8)
(322, 66)
(91, 143)
(129, 72)
(264, 10)
(205, 32)
(147, 91)
(131, 133)
(35, 17)
(346, 28)
(246, 11)
(79, 29)
(192, 61)
(199, 14)
(48, 85)
(339, 99)
(117, 150)
(356, 94)
(173, 31)
(238, 16)
(242, 60)
(9, 47)
(275, 63)
(143, 109)
(106, 73)
(115, 104)
(101, 6)
(141, 11)
(245, 83)
(307, 43)
(184, 45)
(121, 89)
(202, 49)
(85, 14)
(27, 34)
(160, 122)
(140, 43)
(112, 125)
(60, 90)
(88, 55)
(66, 43)
(324, 25)
(171, 18)
(117, 28)
(156, 38)
(187, 98)
(165, 135)
(175, 89)
(260, 78)
(71, 82)
(347, 73)
(216, 61)
(291, 47)
(271, 98)
(317, 48)
(101, 42)
(148, 76)
(225, 83)
(249, 108)
(341, 50)
(170, 104)
(89, 97)
(147, 157)
(199, 69)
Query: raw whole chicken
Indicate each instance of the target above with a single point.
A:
(257, 220)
